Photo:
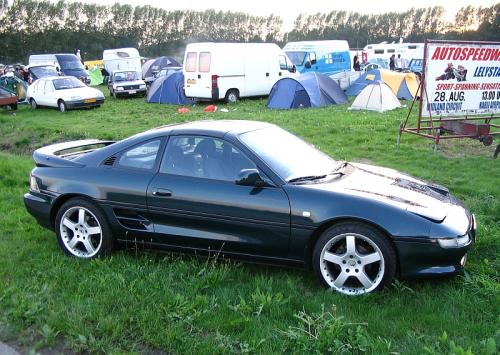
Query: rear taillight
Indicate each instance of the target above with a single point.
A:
(214, 82)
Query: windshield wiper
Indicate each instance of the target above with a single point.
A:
(307, 178)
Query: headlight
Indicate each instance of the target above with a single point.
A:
(119, 88)
(33, 184)
(142, 86)
(454, 242)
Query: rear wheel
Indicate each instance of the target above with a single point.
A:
(353, 259)
(62, 106)
(33, 103)
(232, 96)
(82, 230)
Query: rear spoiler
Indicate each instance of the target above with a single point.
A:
(59, 155)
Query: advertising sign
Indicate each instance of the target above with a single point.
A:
(461, 78)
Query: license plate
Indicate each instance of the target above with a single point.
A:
(132, 92)
(89, 101)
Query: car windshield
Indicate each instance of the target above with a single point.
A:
(125, 76)
(42, 72)
(416, 62)
(69, 62)
(67, 83)
(297, 58)
(289, 156)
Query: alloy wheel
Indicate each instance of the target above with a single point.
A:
(352, 264)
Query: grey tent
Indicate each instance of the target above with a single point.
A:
(154, 65)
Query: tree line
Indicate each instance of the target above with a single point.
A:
(30, 26)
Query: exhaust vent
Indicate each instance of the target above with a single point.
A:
(110, 161)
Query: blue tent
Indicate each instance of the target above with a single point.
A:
(168, 90)
(311, 89)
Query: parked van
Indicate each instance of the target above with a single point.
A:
(229, 71)
(67, 63)
(122, 59)
(327, 57)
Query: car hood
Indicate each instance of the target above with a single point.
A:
(390, 186)
(84, 92)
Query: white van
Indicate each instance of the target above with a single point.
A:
(215, 71)
(327, 57)
(122, 59)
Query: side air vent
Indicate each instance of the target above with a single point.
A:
(110, 161)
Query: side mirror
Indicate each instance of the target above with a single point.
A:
(307, 64)
(250, 177)
(294, 69)
(313, 61)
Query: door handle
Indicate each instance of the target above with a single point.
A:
(199, 76)
(162, 193)
(279, 74)
(267, 74)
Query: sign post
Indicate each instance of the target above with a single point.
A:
(459, 92)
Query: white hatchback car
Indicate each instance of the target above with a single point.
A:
(63, 92)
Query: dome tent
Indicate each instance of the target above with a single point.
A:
(154, 65)
(403, 85)
(168, 90)
(377, 96)
(311, 89)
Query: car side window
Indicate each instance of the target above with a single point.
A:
(141, 156)
(204, 157)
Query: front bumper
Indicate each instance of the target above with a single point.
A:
(425, 259)
(84, 103)
(39, 205)
(130, 92)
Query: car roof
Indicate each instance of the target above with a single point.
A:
(217, 128)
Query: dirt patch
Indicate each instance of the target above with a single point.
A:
(460, 148)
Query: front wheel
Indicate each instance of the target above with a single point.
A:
(33, 103)
(82, 230)
(232, 96)
(353, 259)
(62, 106)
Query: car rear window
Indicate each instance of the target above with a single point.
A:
(191, 62)
(204, 64)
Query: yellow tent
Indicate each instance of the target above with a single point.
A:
(400, 82)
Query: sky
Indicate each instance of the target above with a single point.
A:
(288, 10)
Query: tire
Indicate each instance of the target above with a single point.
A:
(62, 106)
(353, 259)
(115, 95)
(33, 103)
(82, 230)
(232, 96)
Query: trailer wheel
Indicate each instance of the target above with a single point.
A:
(232, 96)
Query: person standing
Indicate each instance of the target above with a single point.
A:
(356, 66)
(392, 64)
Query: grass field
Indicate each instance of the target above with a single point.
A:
(147, 302)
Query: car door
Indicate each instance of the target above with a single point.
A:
(194, 201)
(49, 94)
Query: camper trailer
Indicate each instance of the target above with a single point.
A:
(385, 50)
(215, 71)
(122, 59)
(327, 57)
(68, 64)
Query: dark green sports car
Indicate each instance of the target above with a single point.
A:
(253, 191)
